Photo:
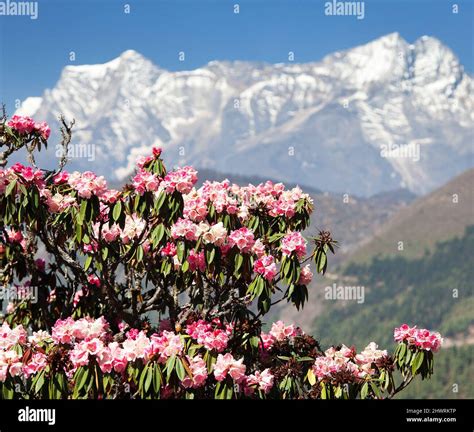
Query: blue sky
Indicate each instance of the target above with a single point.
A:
(33, 52)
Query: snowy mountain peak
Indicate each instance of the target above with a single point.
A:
(372, 118)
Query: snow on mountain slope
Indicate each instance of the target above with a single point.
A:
(369, 119)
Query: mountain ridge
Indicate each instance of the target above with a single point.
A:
(298, 122)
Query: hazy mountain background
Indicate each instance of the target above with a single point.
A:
(320, 124)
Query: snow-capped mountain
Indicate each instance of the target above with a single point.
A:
(369, 119)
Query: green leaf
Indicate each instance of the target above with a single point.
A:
(239, 259)
(210, 255)
(117, 210)
(170, 367)
(10, 188)
(321, 264)
(417, 362)
(180, 250)
(88, 262)
(375, 389)
(401, 352)
(149, 377)
(82, 212)
(39, 382)
(158, 234)
(364, 390)
(156, 378)
(81, 377)
(139, 253)
(180, 371)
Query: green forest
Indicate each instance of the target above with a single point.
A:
(435, 292)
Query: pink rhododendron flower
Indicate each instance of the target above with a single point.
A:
(136, 348)
(166, 345)
(419, 338)
(36, 364)
(199, 373)
(87, 184)
(195, 207)
(61, 178)
(368, 357)
(280, 331)
(243, 238)
(306, 276)
(184, 228)
(226, 364)
(43, 129)
(93, 280)
(266, 267)
(182, 180)
(293, 242)
(145, 181)
(209, 334)
(110, 196)
(258, 248)
(169, 250)
(196, 261)
(262, 380)
(133, 228)
(216, 234)
(22, 124)
(10, 337)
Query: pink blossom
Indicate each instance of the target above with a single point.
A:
(184, 228)
(216, 234)
(266, 267)
(226, 364)
(262, 380)
(133, 228)
(168, 250)
(306, 276)
(258, 248)
(61, 178)
(196, 261)
(195, 207)
(368, 357)
(36, 364)
(77, 297)
(145, 181)
(22, 124)
(293, 242)
(420, 338)
(119, 357)
(210, 335)
(280, 331)
(143, 161)
(79, 356)
(110, 196)
(87, 184)
(10, 337)
(43, 129)
(136, 348)
(199, 372)
(166, 345)
(93, 280)
(182, 180)
(243, 238)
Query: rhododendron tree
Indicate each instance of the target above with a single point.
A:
(158, 290)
